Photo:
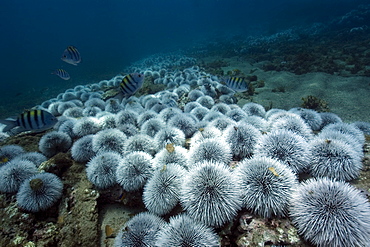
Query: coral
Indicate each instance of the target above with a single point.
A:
(39, 192)
(152, 126)
(311, 117)
(243, 139)
(109, 140)
(315, 103)
(13, 173)
(134, 170)
(184, 231)
(162, 191)
(86, 126)
(140, 230)
(334, 159)
(82, 150)
(286, 147)
(141, 142)
(210, 195)
(266, 186)
(213, 150)
(185, 123)
(54, 142)
(330, 213)
(171, 155)
(254, 109)
(101, 169)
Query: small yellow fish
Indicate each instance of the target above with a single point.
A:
(4, 159)
(164, 168)
(170, 147)
(272, 169)
(60, 219)
(108, 231)
(122, 196)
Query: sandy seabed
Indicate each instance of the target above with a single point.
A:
(348, 97)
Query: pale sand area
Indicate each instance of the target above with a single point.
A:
(348, 97)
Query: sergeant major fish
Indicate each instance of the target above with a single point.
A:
(32, 120)
(71, 55)
(238, 84)
(131, 83)
(61, 73)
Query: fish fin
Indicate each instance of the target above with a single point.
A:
(10, 124)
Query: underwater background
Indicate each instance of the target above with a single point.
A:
(111, 35)
(173, 123)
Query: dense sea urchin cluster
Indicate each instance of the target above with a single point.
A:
(191, 148)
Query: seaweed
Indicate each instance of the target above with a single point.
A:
(315, 103)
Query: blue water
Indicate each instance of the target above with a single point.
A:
(112, 34)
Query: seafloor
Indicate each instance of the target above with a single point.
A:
(326, 77)
(83, 215)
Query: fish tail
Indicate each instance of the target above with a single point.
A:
(10, 124)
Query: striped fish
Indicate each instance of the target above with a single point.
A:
(32, 120)
(131, 83)
(71, 55)
(61, 73)
(238, 84)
